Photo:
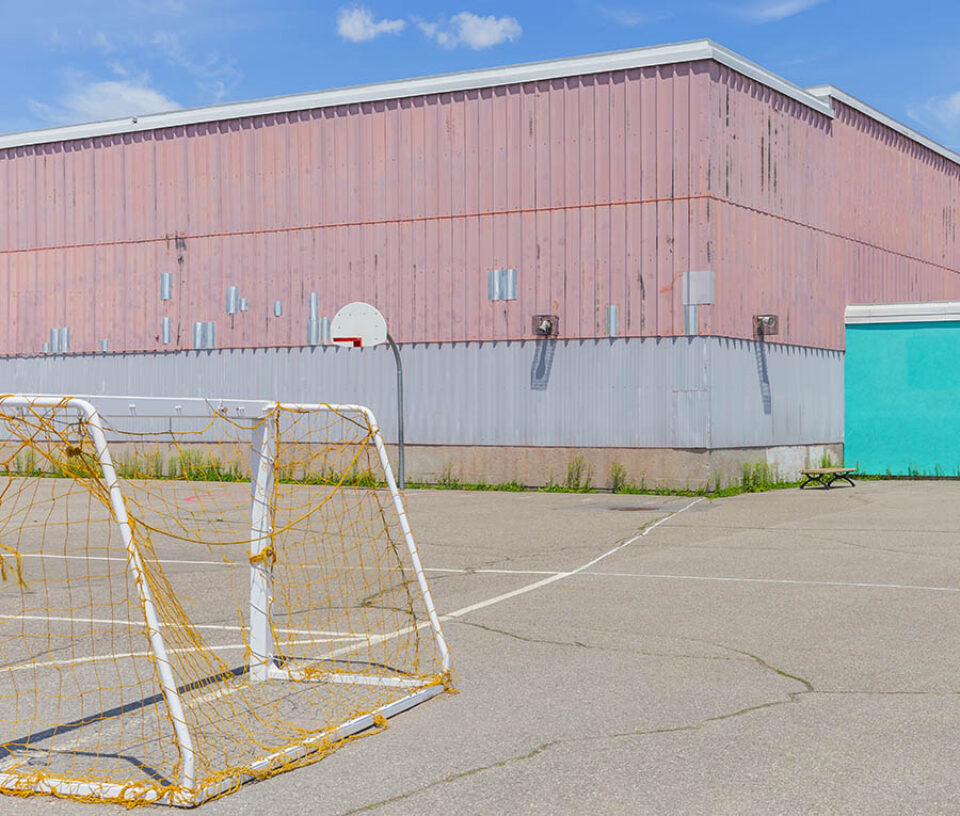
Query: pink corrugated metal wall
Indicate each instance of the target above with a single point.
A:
(813, 214)
(584, 185)
(599, 190)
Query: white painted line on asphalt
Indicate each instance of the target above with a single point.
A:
(493, 571)
(561, 575)
(60, 557)
(732, 579)
(370, 641)
(214, 626)
(360, 640)
(721, 578)
(552, 578)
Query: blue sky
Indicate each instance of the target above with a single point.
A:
(66, 61)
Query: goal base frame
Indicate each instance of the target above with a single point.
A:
(183, 798)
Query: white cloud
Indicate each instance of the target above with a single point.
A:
(940, 113)
(113, 99)
(429, 29)
(357, 24)
(173, 8)
(102, 42)
(472, 30)
(106, 99)
(631, 17)
(769, 11)
(214, 77)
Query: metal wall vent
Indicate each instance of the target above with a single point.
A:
(166, 286)
(318, 328)
(278, 308)
(233, 299)
(502, 284)
(318, 331)
(205, 335)
(60, 340)
(165, 331)
(104, 345)
(613, 320)
(698, 290)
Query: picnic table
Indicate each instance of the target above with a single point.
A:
(826, 476)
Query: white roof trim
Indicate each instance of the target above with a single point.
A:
(903, 312)
(830, 92)
(443, 83)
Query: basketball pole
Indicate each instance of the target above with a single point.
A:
(396, 356)
(357, 325)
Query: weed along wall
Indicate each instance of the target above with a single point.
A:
(902, 386)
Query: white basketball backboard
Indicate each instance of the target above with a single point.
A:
(358, 325)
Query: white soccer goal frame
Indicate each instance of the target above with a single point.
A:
(263, 666)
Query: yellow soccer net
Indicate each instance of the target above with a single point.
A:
(199, 593)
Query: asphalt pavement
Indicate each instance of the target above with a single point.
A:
(790, 652)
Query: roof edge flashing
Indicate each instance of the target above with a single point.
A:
(828, 92)
(564, 67)
(939, 311)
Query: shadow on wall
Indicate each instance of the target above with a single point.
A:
(542, 364)
(760, 350)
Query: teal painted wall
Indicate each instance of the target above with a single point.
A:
(902, 393)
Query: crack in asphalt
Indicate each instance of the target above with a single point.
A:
(523, 638)
(580, 644)
(897, 551)
(799, 689)
(455, 777)
(792, 697)
(887, 693)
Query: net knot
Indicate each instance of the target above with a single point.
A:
(267, 556)
(380, 721)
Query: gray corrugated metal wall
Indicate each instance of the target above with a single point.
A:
(697, 392)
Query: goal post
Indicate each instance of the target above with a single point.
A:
(206, 592)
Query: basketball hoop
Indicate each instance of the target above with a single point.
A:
(358, 325)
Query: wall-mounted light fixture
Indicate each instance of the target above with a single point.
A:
(766, 324)
(546, 325)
